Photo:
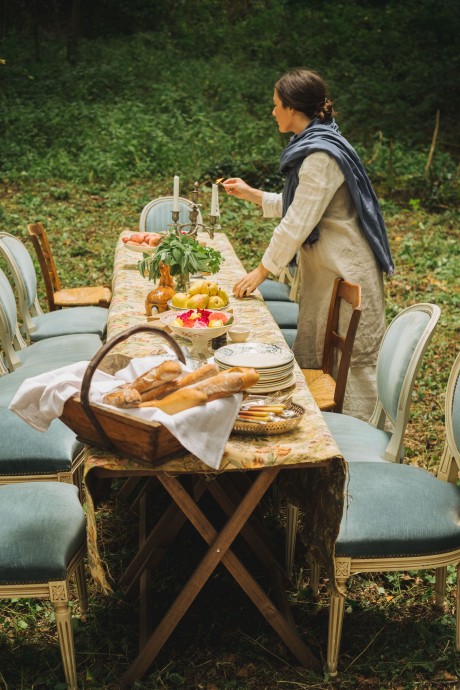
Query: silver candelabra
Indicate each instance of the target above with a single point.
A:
(193, 225)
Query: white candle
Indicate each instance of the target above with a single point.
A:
(215, 201)
(176, 193)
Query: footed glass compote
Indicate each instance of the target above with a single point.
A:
(200, 337)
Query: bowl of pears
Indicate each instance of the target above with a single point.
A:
(202, 294)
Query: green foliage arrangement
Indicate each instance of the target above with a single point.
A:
(184, 256)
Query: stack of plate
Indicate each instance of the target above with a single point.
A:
(274, 364)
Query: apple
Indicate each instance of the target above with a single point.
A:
(215, 302)
(180, 299)
(197, 301)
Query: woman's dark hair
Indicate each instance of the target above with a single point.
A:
(305, 91)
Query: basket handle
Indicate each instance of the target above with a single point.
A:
(97, 359)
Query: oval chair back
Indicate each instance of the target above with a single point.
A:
(399, 359)
(156, 215)
(25, 277)
(449, 467)
(9, 331)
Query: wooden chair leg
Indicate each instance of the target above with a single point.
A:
(292, 515)
(314, 577)
(336, 611)
(457, 612)
(80, 579)
(440, 587)
(65, 634)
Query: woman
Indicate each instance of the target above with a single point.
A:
(331, 216)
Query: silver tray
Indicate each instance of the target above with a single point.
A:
(277, 426)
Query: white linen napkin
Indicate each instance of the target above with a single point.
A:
(202, 430)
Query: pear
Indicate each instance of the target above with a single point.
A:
(223, 296)
(211, 287)
(197, 301)
(216, 302)
(195, 288)
(180, 300)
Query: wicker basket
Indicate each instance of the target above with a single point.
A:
(116, 430)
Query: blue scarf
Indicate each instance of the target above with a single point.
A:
(326, 137)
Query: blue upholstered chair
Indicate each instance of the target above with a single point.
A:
(42, 356)
(42, 545)
(285, 311)
(27, 454)
(400, 355)
(399, 359)
(36, 324)
(400, 517)
(156, 215)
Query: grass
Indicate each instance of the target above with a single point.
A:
(85, 147)
(393, 637)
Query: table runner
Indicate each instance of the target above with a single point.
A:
(319, 492)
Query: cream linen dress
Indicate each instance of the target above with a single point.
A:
(322, 200)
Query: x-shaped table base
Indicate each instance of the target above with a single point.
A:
(219, 551)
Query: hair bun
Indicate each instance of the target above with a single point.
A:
(326, 112)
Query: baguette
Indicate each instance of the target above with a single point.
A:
(228, 382)
(129, 394)
(178, 401)
(193, 377)
(126, 397)
(166, 371)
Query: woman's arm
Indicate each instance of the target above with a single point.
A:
(319, 179)
(251, 281)
(235, 186)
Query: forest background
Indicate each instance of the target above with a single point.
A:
(101, 103)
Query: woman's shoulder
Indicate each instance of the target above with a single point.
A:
(320, 163)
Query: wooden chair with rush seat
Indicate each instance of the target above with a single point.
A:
(329, 391)
(57, 297)
(37, 325)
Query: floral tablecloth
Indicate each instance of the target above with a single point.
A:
(321, 493)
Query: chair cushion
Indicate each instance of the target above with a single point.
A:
(273, 290)
(56, 352)
(25, 451)
(290, 335)
(358, 441)
(69, 322)
(398, 510)
(284, 313)
(42, 525)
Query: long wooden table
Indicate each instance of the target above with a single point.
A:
(249, 467)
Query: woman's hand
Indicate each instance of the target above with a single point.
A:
(250, 282)
(235, 186)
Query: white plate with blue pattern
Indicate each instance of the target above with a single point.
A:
(256, 355)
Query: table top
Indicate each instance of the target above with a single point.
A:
(310, 444)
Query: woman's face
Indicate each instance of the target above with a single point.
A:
(283, 116)
(288, 119)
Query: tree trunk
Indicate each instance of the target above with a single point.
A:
(74, 32)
